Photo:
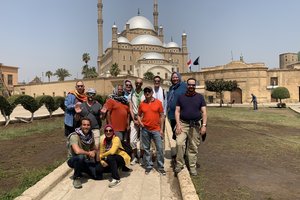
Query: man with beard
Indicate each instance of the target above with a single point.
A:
(191, 120)
(74, 97)
(92, 110)
(82, 152)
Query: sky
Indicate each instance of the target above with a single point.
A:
(44, 35)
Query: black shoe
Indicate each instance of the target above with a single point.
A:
(147, 171)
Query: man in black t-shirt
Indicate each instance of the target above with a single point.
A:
(191, 120)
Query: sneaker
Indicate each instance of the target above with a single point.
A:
(134, 161)
(193, 172)
(141, 161)
(147, 171)
(114, 183)
(178, 169)
(77, 183)
(162, 172)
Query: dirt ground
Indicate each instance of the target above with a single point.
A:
(28, 153)
(240, 162)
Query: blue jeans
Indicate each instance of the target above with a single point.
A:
(146, 141)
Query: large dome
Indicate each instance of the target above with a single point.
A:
(146, 39)
(152, 55)
(140, 22)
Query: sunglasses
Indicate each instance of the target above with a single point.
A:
(108, 130)
(137, 83)
(79, 86)
(192, 85)
(128, 85)
(90, 94)
(147, 91)
(156, 81)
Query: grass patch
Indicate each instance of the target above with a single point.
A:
(284, 117)
(29, 178)
(37, 126)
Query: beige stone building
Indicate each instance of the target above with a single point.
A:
(253, 78)
(8, 77)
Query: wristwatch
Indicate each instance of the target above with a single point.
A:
(204, 125)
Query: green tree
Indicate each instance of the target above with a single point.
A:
(280, 93)
(219, 86)
(86, 58)
(61, 74)
(49, 74)
(114, 70)
(148, 76)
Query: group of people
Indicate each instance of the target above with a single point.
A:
(134, 116)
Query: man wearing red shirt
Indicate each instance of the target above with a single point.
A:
(151, 118)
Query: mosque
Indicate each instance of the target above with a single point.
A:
(140, 48)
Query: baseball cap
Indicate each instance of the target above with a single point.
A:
(148, 88)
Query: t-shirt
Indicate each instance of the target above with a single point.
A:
(93, 113)
(74, 139)
(151, 114)
(190, 107)
(119, 114)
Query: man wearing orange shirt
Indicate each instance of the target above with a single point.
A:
(151, 118)
(118, 112)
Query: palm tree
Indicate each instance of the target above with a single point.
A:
(49, 74)
(86, 58)
(61, 74)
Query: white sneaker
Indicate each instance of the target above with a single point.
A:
(134, 161)
(114, 183)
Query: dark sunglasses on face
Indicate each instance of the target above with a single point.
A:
(90, 94)
(107, 130)
(79, 86)
(147, 91)
(128, 85)
(137, 83)
(156, 81)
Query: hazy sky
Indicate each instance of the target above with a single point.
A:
(42, 35)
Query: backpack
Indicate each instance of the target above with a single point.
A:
(126, 147)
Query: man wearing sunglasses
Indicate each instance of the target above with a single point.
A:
(92, 110)
(191, 120)
(76, 96)
(151, 119)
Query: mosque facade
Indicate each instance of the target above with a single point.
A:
(140, 48)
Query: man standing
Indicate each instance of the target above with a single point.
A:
(254, 101)
(191, 120)
(128, 89)
(118, 112)
(177, 89)
(151, 118)
(73, 97)
(136, 97)
(92, 110)
(81, 153)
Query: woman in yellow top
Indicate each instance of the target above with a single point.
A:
(112, 155)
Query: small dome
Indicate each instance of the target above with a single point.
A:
(152, 55)
(140, 22)
(123, 40)
(146, 39)
(172, 44)
(120, 40)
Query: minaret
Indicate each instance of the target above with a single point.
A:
(155, 15)
(100, 30)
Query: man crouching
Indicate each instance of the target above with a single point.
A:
(82, 153)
